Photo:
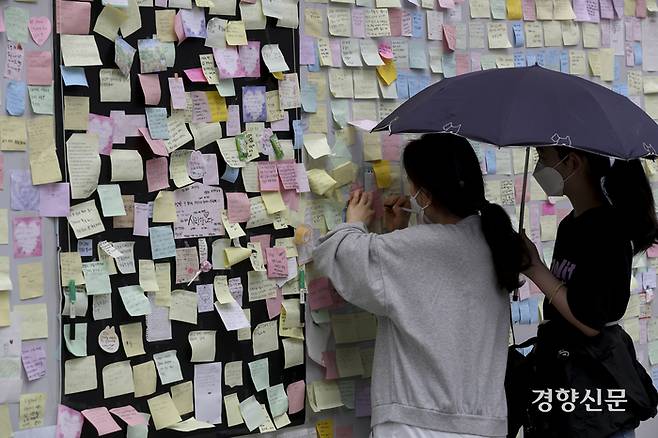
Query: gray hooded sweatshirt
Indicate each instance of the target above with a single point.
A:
(442, 335)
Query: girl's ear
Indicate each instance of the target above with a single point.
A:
(575, 161)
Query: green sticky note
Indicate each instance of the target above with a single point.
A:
(111, 201)
(278, 400)
(77, 346)
(260, 373)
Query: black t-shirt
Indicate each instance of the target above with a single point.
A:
(594, 259)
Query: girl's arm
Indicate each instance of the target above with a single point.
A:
(553, 287)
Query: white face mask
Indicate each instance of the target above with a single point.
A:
(550, 179)
(419, 210)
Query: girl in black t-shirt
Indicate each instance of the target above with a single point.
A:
(587, 287)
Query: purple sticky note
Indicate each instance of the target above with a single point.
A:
(104, 127)
(233, 122)
(141, 220)
(254, 108)
(235, 287)
(54, 200)
(211, 178)
(33, 355)
(362, 398)
(24, 196)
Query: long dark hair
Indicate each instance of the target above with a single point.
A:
(628, 189)
(446, 166)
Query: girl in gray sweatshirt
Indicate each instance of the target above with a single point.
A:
(440, 293)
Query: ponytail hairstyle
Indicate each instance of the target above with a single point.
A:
(446, 166)
(627, 188)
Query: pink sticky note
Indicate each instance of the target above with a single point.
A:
(39, 68)
(306, 50)
(33, 356)
(141, 219)
(103, 126)
(102, 420)
(302, 179)
(282, 125)
(395, 22)
(195, 74)
(239, 209)
(14, 61)
(69, 422)
(277, 263)
(334, 45)
(40, 28)
(450, 36)
(233, 123)
(319, 293)
(529, 11)
(2, 23)
(54, 200)
(250, 59)
(76, 17)
(129, 415)
(274, 304)
(228, 62)
(26, 236)
(268, 176)
(157, 174)
(151, 88)
(547, 209)
(178, 27)
(385, 50)
(177, 92)
(329, 362)
(296, 392)
(462, 63)
(263, 239)
(157, 146)
(391, 146)
(287, 171)
(358, 23)
(211, 178)
(407, 23)
(447, 4)
(652, 252)
(290, 198)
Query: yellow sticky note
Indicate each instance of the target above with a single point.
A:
(13, 134)
(387, 72)
(325, 428)
(5, 309)
(273, 202)
(164, 24)
(30, 280)
(71, 268)
(607, 61)
(236, 35)
(319, 181)
(163, 277)
(131, 338)
(235, 255)
(32, 409)
(34, 320)
(203, 345)
(183, 397)
(145, 378)
(4, 226)
(217, 107)
(163, 410)
(6, 430)
(80, 375)
(382, 169)
(163, 207)
(514, 11)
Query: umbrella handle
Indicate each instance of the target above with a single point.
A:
(515, 297)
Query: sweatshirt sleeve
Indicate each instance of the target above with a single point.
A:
(349, 256)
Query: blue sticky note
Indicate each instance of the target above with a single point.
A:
(541, 59)
(417, 84)
(418, 23)
(552, 59)
(654, 376)
(533, 304)
(490, 159)
(620, 88)
(402, 85)
(231, 174)
(298, 129)
(15, 97)
(162, 242)
(516, 315)
(85, 247)
(637, 52)
(315, 67)
(617, 67)
(564, 61)
(309, 98)
(531, 59)
(449, 66)
(74, 76)
(519, 38)
(519, 60)
(156, 118)
(524, 307)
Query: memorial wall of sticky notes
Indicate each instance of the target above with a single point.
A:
(29, 176)
(177, 131)
(360, 59)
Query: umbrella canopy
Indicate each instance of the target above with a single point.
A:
(529, 106)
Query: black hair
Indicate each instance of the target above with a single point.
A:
(628, 189)
(446, 166)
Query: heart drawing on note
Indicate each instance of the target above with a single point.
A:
(40, 28)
